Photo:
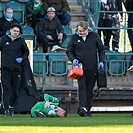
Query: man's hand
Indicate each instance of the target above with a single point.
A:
(121, 20)
(130, 68)
(19, 60)
(50, 37)
(75, 62)
(60, 36)
(47, 104)
(100, 65)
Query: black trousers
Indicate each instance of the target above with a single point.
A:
(10, 83)
(86, 84)
(107, 23)
(115, 33)
(43, 40)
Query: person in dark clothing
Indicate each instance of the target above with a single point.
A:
(36, 12)
(13, 52)
(82, 48)
(111, 20)
(129, 8)
(104, 21)
(61, 7)
(6, 21)
(116, 6)
(47, 30)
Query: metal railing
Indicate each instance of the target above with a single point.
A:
(116, 66)
(50, 69)
(54, 72)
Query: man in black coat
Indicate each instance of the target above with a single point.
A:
(6, 21)
(82, 48)
(47, 30)
(13, 52)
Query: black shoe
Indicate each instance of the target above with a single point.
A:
(82, 112)
(40, 114)
(7, 113)
(11, 111)
(88, 114)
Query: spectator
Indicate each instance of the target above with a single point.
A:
(129, 8)
(47, 30)
(35, 9)
(104, 21)
(48, 108)
(13, 52)
(115, 6)
(61, 7)
(111, 20)
(6, 21)
(82, 48)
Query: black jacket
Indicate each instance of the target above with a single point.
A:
(86, 51)
(5, 25)
(115, 7)
(10, 50)
(59, 5)
(47, 27)
(112, 7)
(27, 94)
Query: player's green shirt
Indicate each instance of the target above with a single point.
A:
(40, 106)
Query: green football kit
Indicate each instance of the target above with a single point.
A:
(40, 106)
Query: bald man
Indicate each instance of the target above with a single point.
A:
(6, 21)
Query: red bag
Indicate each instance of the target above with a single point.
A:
(75, 73)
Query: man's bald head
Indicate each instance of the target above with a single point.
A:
(9, 10)
(9, 13)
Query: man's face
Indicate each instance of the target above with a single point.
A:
(9, 13)
(61, 112)
(51, 15)
(15, 32)
(82, 31)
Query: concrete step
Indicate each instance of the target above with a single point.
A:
(75, 9)
(72, 2)
(73, 24)
(77, 16)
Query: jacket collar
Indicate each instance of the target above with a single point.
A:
(8, 33)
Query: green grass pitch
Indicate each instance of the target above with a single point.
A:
(73, 123)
